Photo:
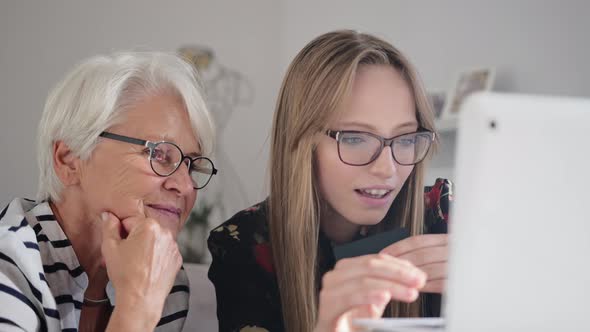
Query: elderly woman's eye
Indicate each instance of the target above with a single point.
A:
(159, 156)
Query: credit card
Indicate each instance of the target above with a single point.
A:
(370, 245)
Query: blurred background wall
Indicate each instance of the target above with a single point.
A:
(536, 46)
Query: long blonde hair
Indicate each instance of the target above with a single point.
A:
(315, 84)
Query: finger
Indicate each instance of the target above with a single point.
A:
(376, 266)
(332, 305)
(364, 289)
(110, 227)
(133, 224)
(435, 286)
(435, 271)
(165, 243)
(141, 209)
(416, 242)
(428, 255)
(130, 224)
(368, 311)
(362, 306)
(178, 260)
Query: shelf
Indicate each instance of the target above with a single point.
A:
(446, 125)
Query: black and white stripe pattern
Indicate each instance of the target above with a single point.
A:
(41, 281)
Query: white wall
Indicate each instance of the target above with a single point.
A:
(536, 46)
(40, 40)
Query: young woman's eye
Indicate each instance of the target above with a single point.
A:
(352, 140)
(406, 141)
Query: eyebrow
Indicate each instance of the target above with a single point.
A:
(373, 129)
(193, 154)
(168, 139)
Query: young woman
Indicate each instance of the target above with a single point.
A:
(351, 130)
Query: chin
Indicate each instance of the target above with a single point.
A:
(170, 225)
(368, 219)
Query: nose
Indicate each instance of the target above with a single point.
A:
(180, 181)
(384, 166)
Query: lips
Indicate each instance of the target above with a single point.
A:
(376, 193)
(168, 209)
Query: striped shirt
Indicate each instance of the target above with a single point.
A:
(42, 283)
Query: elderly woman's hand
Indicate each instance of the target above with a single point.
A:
(142, 267)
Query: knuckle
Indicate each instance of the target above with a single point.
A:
(383, 255)
(405, 262)
(168, 238)
(373, 262)
(179, 260)
(421, 256)
(365, 282)
(152, 226)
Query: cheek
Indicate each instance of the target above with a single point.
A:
(404, 173)
(130, 180)
(120, 188)
(190, 200)
(334, 177)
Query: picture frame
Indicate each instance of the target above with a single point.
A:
(466, 82)
(437, 102)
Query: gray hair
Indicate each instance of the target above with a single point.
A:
(96, 93)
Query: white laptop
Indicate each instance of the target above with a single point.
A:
(520, 226)
(520, 229)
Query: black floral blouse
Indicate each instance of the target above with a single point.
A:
(243, 274)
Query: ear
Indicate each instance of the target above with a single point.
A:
(66, 164)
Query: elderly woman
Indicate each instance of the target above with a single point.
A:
(122, 152)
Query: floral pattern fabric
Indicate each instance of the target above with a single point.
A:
(242, 269)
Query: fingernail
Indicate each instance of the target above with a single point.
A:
(379, 297)
(412, 294)
(104, 216)
(419, 278)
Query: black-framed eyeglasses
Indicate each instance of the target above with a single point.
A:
(359, 148)
(166, 157)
